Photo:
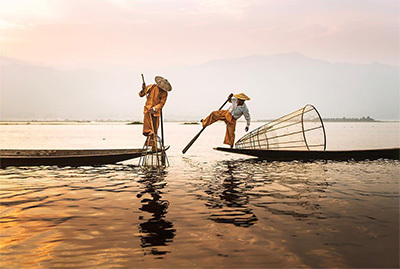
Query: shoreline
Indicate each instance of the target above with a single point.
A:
(183, 122)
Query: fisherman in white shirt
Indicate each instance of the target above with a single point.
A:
(235, 111)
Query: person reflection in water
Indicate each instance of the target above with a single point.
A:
(232, 201)
(156, 232)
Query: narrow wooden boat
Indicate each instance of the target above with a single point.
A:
(75, 157)
(335, 155)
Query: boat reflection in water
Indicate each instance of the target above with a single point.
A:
(230, 198)
(235, 190)
(155, 232)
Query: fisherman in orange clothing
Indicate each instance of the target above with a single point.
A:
(156, 95)
(235, 111)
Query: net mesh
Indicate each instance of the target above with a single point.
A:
(302, 129)
(153, 153)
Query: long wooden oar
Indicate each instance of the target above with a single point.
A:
(162, 139)
(197, 136)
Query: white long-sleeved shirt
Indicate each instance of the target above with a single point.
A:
(237, 111)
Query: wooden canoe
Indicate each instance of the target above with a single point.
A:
(335, 155)
(75, 157)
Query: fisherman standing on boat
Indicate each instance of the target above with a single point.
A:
(156, 95)
(235, 111)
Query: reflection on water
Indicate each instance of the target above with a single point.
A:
(326, 213)
(293, 193)
(233, 189)
(229, 199)
(155, 231)
(235, 213)
(208, 209)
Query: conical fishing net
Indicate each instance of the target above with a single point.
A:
(153, 153)
(302, 129)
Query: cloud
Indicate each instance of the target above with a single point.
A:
(191, 32)
(24, 11)
(5, 25)
(236, 8)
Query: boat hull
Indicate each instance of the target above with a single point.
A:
(337, 155)
(66, 157)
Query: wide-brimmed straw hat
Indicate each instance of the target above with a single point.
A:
(163, 83)
(241, 96)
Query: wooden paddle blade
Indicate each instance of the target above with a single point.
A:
(192, 141)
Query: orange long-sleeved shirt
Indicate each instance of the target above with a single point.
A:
(155, 98)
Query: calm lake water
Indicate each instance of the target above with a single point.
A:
(208, 209)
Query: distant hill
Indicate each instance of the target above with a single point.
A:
(277, 85)
(41, 92)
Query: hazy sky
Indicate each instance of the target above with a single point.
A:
(144, 33)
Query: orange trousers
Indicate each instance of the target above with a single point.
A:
(230, 124)
(147, 126)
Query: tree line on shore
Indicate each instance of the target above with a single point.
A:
(344, 119)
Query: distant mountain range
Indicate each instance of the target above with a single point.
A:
(277, 85)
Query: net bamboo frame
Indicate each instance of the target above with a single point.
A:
(153, 153)
(302, 129)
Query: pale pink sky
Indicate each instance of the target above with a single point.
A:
(147, 32)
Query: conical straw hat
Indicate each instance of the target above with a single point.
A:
(163, 83)
(241, 96)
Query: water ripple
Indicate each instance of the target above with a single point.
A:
(234, 212)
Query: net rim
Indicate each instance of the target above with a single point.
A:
(299, 112)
